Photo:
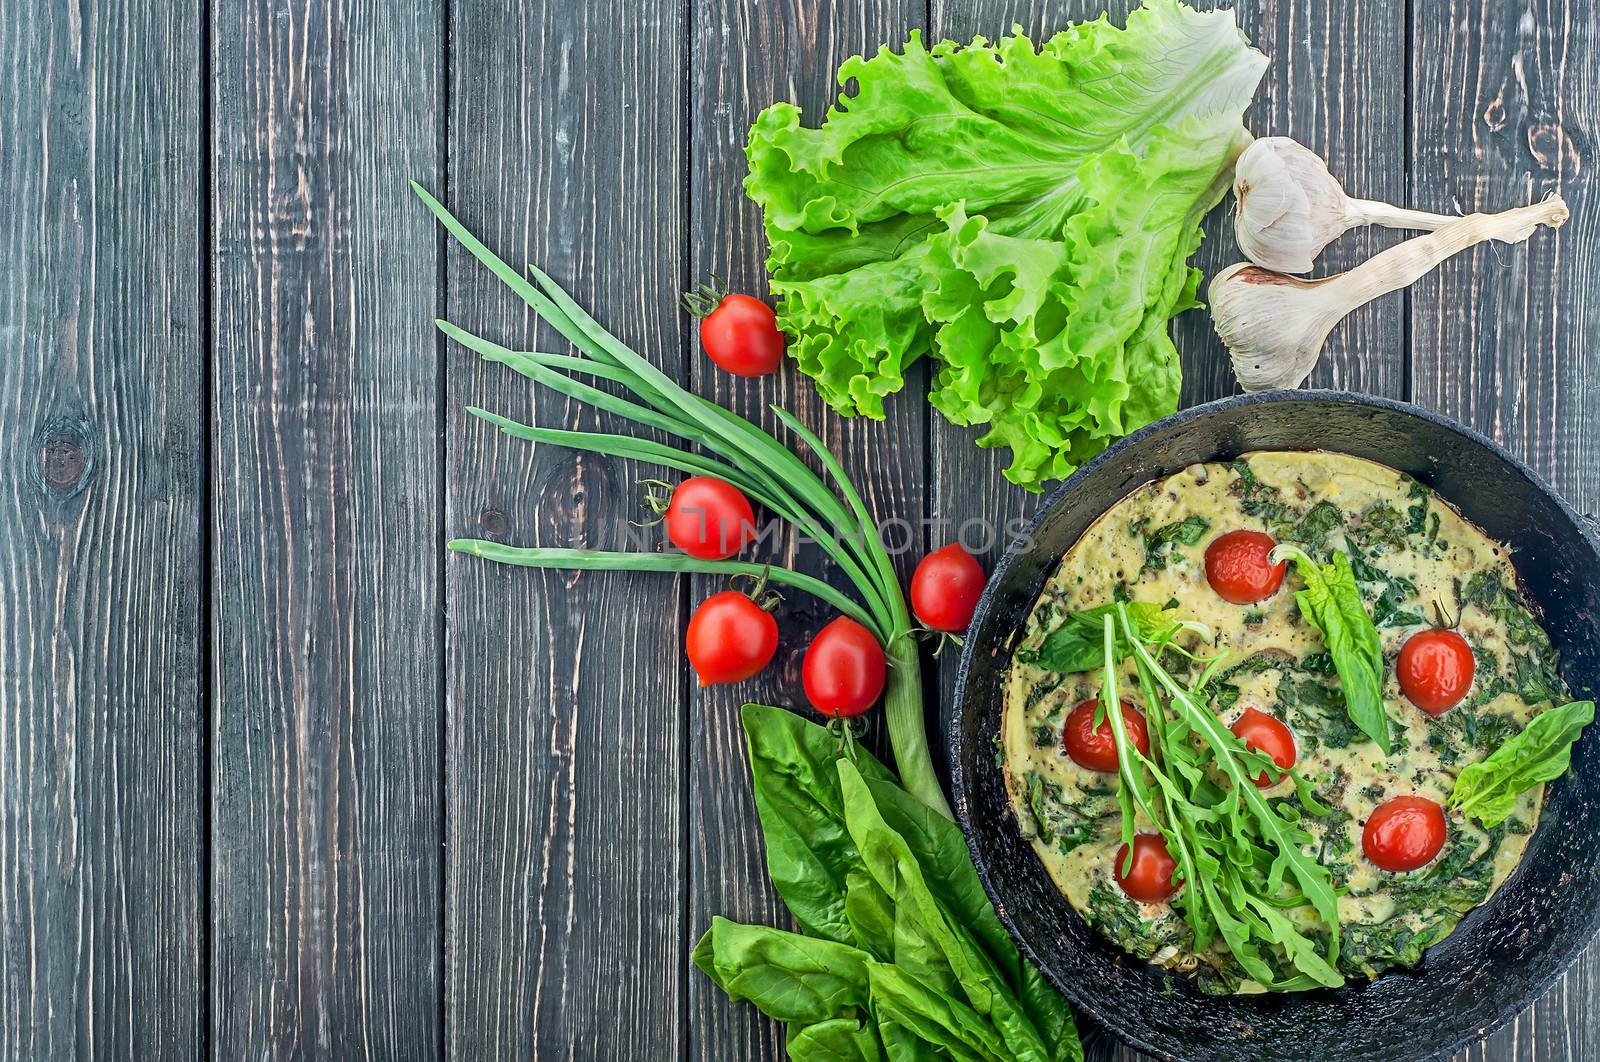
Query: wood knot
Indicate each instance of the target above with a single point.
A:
(573, 508)
(1553, 149)
(494, 523)
(66, 457)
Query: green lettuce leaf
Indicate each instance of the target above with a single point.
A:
(1022, 213)
(1489, 789)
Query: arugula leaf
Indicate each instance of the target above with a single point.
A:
(1023, 214)
(1331, 602)
(1488, 789)
(1236, 853)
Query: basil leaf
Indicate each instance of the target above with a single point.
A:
(1488, 790)
(1331, 602)
(787, 976)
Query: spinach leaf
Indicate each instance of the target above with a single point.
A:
(835, 1040)
(1535, 666)
(1488, 790)
(1059, 823)
(787, 976)
(1386, 611)
(1331, 602)
(1382, 527)
(809, 851)
(1312, 529)
(936, 1018)
(1158, 543)
(1257, 498)
(1076, 644)
(920, 917)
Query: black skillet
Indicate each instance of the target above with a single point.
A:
(1503, 955)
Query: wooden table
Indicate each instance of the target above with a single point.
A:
(280, 780)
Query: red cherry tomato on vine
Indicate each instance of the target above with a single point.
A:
(1403, 834)
(709, 519)
(1258, 730)
(844, 669)
(1238, 569)
(740, 332)
(1095, 747)
(946, 588)
(1150, 878)
(1435, 669)
(730, 638)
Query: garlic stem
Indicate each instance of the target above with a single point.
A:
(1405, 263)
(1372, 212)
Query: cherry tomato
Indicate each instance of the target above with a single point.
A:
(1095, 747)
(1258, 730)
(1404, 833)
(1150, 879)
(741, 335)
(709, 519)
(730, 638)
(946, 588)
(1435, 669)
(1238, 569)
(844, 669)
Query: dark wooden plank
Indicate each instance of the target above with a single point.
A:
(100, 545)
(326, 810)
(566, 690)
(1331, 85)
(749, 54)
(1505, 109)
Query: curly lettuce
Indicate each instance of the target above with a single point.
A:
(1022, 214)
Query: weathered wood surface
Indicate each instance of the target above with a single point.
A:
(102, 714)
(280, 781)
(327, 906)
(1505, 338)
(565, 783)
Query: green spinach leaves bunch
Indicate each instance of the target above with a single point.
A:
(1241, 858)
(900, 954)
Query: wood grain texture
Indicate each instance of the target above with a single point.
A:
(565, 769)
(1505, 109)
(101, 933)
(325, 799)
(749, 54)
(1331, 86)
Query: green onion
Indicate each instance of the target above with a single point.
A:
(729, 448)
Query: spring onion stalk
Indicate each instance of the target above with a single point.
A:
(729, 448)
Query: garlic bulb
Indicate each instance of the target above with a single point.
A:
(1290, 207)
(1275, 325)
